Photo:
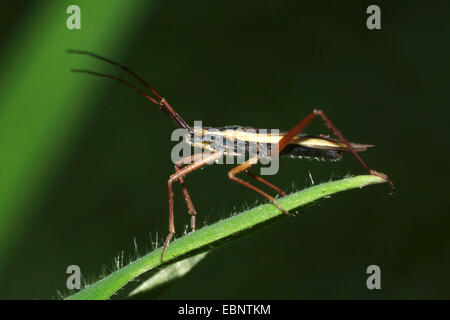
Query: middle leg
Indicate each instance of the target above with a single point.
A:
(245, 166)
(267, 183)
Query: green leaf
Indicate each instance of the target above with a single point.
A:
(164, 278)
(206, 237)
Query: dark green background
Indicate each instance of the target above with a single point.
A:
(261, 63)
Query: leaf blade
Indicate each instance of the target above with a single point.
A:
(206, 236)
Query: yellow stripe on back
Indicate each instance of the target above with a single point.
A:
(310, 142)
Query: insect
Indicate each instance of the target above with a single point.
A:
(292, 143)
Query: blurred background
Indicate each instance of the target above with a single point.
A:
(84, 161)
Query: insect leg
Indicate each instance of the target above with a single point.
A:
(284, 142)
(187, 197)
(176, 176)
(260, 179)
(159, 101)
(244, 166)
(188, 200)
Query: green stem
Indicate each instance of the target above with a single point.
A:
(240, 223)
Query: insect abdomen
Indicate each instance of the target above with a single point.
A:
(297, 151)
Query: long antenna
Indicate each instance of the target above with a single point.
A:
(160, 101)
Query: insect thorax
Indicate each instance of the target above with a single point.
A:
(232, 141)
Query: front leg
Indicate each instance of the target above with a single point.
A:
(185, 161)
(177, 176)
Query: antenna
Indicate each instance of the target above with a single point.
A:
(159, 101)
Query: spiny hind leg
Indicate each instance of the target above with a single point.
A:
(284, 142)
(333, 128)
